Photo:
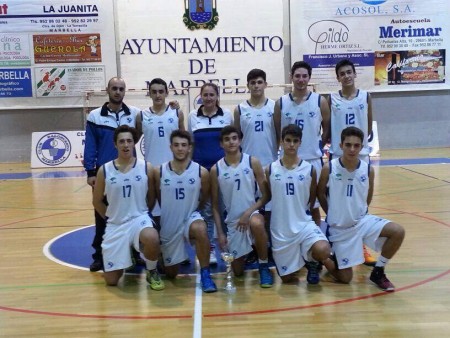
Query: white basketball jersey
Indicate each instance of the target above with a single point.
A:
(180, 194)
(126, 192)
(237, 186)
(157, 130)
(257, 126)
(308, 116)
(347, 194)
(290, 199)
(348, 113)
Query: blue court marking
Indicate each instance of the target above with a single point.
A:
(47, 174)
(74, 249)
(410, 161)
(81, 173)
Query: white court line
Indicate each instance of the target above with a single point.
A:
(48, 254)
(198, 305)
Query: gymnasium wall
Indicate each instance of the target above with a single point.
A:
(406, 119)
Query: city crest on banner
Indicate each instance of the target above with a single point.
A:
(200, 14)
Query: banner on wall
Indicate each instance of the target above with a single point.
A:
(62, 149)
(189, 43)
(396, 45)
(62, 45)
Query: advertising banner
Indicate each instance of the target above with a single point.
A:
(396, 45)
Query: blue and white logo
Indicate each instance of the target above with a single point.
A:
(53, 149)
(373, 2)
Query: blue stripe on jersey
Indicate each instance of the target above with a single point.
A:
(250, 161)
(318, 101)
(281, 103)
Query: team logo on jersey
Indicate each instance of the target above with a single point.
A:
(169, 259)
(284, 268)
(129, 119)
(363, 178)
(312, 114)
(167, 181)
(277, 177)
(112, 180)
(361, 106)
(110, 264)
(226, 176)
(192, 180)
(53, 149)
(246, 171)
(301, 177)
(171, 120)
(138, 178)
(344, 261)
(200, 14)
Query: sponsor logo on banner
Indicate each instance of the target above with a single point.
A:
(53, 149)
(200, 14)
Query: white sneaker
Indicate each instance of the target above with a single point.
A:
(212, 257)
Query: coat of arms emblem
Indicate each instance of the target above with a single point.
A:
(200, 14)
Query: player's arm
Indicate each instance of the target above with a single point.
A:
(216, 209)
(205, 188)
(181, 120)
(261, 202)
(322, 187)
(369, 115)
(326, 118)
(237, 119)
(267, 173)
(139, 124)
(99, 193)
(157, 180)
(371, 181)
(277, 120)
(151, 192)
(313, 190)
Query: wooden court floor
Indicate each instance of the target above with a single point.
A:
(40, 298)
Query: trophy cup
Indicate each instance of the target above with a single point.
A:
(229, 286)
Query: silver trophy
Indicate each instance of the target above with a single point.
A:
(229, 286)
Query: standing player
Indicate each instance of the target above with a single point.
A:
(296, 239)
(345, 191)
(182, 186)
(254, 119)
(127, 183)
(236, 177)
(205, 125)
(311, 113)
(99, 148)
(350, 106)
(156, 123)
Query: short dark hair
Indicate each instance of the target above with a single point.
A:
(159, 81)
(342, 63)
(255, 73)
(227, 130)
(293, 130)
(126, 129)
(301, 64)
(352, 131)
(181, 134)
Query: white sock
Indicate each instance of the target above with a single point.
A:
(381, 262)
(151, 265)
(262, 261)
